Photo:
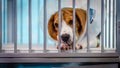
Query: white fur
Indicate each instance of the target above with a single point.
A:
(66, 30)
(82, 39)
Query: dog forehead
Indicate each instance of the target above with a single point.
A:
(67, 17)
(64, 16)
(65, 25)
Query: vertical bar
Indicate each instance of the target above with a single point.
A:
(0, 25)
(105, 23)
(113, 22)
(5, 19)
(21, 26)
(59, 21)
(15, 25)
(109, 24)
(9, 21)
(74, 39)
(45, 11)
(4, 22)
(38, 21)
(118, 26)
(88, 21)
(102, 25)
(114, 25)
(30, 28)
(105, 26)
(12, 21)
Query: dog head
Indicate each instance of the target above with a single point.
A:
(66, 33)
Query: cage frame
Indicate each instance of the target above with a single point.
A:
(56, 57)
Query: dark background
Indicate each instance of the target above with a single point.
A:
(49, 65)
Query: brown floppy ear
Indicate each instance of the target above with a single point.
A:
(51, 28)
(81, 16)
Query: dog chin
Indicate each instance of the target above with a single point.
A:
(66, 45)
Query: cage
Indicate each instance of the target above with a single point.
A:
(24, 31)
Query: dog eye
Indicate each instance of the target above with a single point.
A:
(71, 22)
(56, 24)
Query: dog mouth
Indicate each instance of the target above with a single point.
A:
(66, 45)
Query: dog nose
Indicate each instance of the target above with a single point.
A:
(65, 37)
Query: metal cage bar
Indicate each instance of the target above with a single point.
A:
(114, 24)
(4, 40)
(74, 34)
(118, 26)
(5, 25)
(109, 40)
(102, 27)
(9, 21)
(30, 27)
(112, 21)
(0, 25)
(5, 21)
(15, 26)
(88, 21)
(105, 7)
(45, 15)
(105, 24)
(21, 26)
(109, 23)
(59, 21)
(107, 44)
(38, 21)
(12, 23)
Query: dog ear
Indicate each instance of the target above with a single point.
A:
(51, 28)
(81, 17)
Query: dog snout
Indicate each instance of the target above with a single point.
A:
(65, 37)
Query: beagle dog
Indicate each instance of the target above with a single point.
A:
(66, 33)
